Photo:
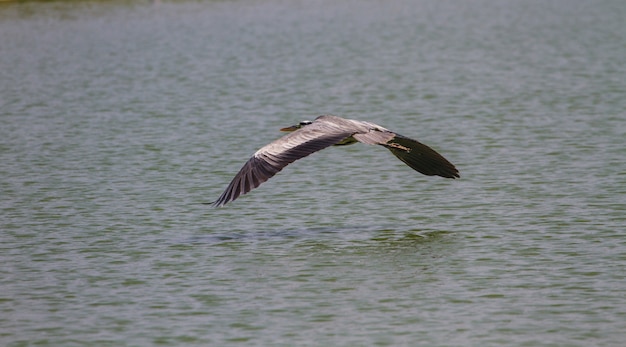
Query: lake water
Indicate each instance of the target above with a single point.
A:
(118, 118)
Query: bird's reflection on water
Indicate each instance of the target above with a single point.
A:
(347, 236)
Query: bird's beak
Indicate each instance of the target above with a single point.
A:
(291, 128)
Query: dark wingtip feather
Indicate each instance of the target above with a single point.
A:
(252, 174)
(213, 204)
(421, 158)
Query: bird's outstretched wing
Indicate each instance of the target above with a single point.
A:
(420, 157)
(415, 154)
(272, 158)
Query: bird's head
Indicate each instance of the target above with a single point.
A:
(297, 126)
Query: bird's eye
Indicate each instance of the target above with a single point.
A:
(306, 122)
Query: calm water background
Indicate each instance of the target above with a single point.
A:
(117, 118)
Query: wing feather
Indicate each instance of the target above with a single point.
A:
(421, 158)
(272, 158)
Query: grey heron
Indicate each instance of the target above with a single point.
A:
(308, 137)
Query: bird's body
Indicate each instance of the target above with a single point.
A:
(309, 137)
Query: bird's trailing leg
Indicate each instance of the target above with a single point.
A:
(398, 146)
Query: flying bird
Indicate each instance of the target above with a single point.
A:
(308, 137)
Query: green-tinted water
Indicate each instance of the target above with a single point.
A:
(118, 118)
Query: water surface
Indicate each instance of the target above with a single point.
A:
(118, 118)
